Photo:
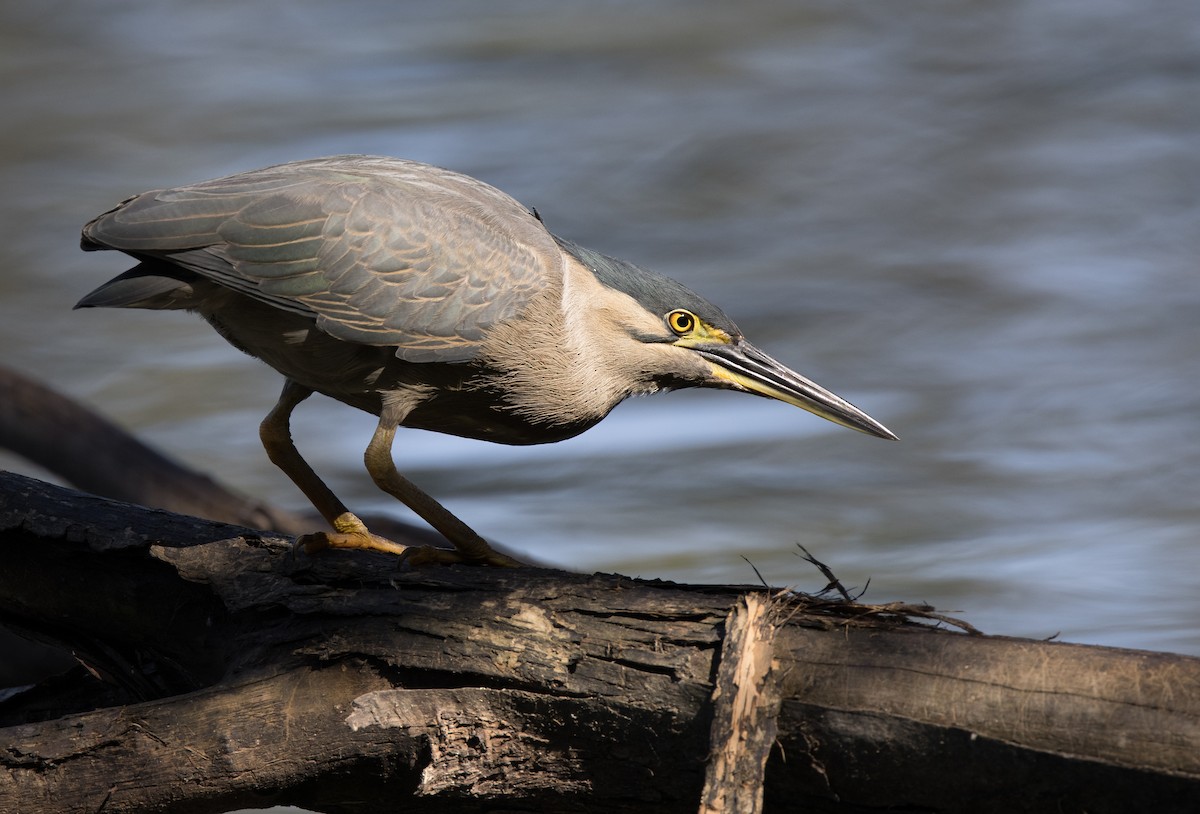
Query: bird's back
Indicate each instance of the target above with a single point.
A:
(377, 251)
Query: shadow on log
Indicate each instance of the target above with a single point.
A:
(240, 674)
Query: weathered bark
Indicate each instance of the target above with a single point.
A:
(746, 702)
(242, 674)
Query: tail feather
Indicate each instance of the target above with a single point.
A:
(147, 285)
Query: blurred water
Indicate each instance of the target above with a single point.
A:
(977, 221)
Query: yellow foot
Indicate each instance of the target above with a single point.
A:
(350, 532)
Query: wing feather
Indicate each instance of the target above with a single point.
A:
(379, 251)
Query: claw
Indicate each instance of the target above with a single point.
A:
(352, 533)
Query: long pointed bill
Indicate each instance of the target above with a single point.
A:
(747, 368)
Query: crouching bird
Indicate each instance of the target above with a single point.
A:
(431, 300)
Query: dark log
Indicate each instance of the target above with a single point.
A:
(240, 673)
(94, 454)
(97, 456)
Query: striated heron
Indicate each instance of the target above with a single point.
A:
(431, 300)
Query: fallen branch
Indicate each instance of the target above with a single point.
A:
(243, 674)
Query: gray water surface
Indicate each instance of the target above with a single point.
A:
(976, 221)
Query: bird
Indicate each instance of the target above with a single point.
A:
(431, 300)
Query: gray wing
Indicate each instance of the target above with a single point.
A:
(379, 251)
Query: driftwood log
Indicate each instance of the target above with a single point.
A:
(225, 670)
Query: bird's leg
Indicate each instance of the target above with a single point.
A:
(471, 548)
(276, 434)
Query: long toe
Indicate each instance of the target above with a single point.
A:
(417, 556)
(361, 540)
(412, 555)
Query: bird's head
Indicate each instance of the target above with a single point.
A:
(687, 341)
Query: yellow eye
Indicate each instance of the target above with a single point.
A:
(681, 322)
